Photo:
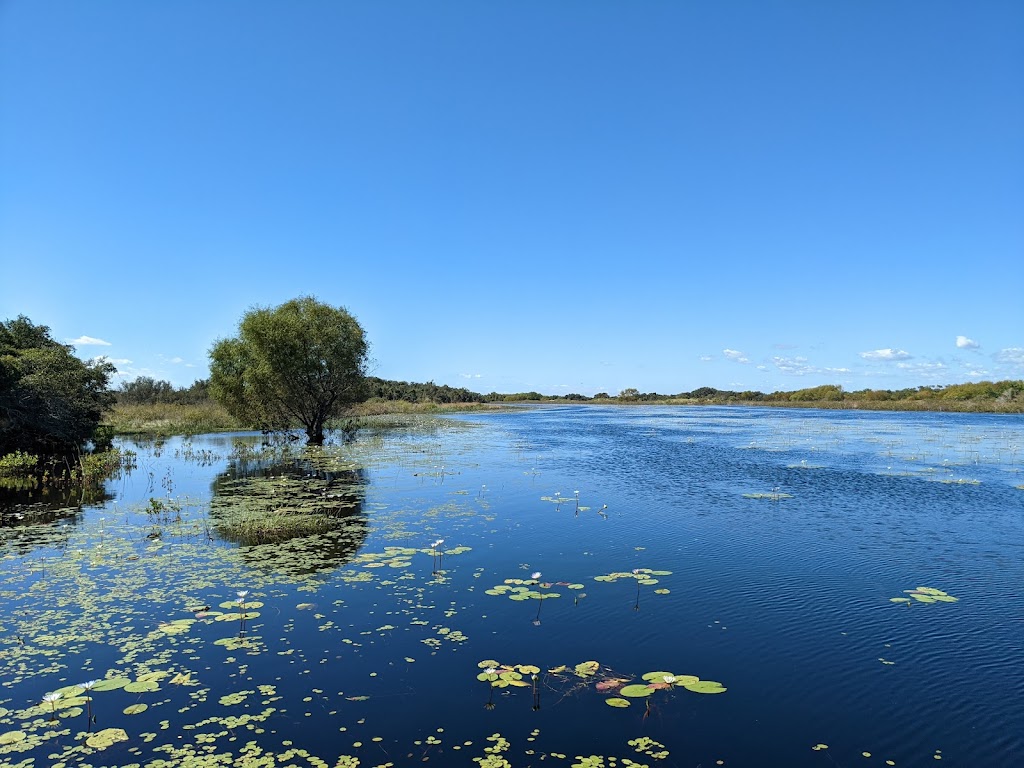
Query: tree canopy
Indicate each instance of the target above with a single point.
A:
(50, 401)
(302, 363)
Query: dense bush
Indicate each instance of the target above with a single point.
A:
(50, 401)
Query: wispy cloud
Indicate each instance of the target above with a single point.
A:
(89, 341)
(886, 354)
(1011, 355)
(923, 370)
(705, 358)
(962, 342)
(176, 360)
(799, 366)
(470, 375)
(735, 356)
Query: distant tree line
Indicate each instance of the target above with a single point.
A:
(145, 390)
(412, 392)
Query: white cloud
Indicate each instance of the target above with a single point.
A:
(962, 342)
(886, 354)
(1012, 355)
(176, 360)
(89, 341)
(924, 371)
(798, 366)
(735, 356)
(705, 358)
(115, 360)
(470, 375)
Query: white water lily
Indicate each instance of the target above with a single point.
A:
(88, 685)
(535, 575)
(490, 671)
(50, 698)
(242, 593)
(670, 679)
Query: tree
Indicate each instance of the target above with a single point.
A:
(51, 402)
(303, 362)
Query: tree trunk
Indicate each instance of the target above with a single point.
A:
(315, 433)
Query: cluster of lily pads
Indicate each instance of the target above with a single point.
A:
(621, 689)
(924, 595)
(523, 589)
(504, 675)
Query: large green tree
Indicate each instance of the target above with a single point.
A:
(302, 363)
(50, 401)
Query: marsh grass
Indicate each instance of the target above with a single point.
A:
(170, 419)
(165, 419)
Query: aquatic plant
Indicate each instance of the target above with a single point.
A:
(437, 555)
(86, 687)
(924, 595)
(643, 576)
(775, 495)
(52, 698)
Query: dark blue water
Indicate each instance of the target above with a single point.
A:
(783, 599)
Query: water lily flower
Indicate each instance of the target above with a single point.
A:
(51, 699)
(636, 570)
(670, 679)
(437, 543)
(535, 575)
(88, 685)
(242, 593)
(490, 671)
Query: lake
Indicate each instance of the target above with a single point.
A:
(558, 586)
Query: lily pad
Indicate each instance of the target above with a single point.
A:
(636, 691)
(10, 737)
(134, 709)
(658, 677)
(616, 702)
(111, 683)
(106, 737)
(705, 686)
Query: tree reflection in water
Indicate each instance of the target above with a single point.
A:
(300, 514)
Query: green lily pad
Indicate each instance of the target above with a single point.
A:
(705, 686)
(616, 702)
(657, 677)
(134, 709)
(106, 737)
(111, 683)
(10, 737)
(142, 686)
(636, 691)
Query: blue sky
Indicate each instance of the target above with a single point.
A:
(556, 196)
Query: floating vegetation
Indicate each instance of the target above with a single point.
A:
(775, 495)
(924, 595)
(644, 577)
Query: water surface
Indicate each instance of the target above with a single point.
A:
(784, 535)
